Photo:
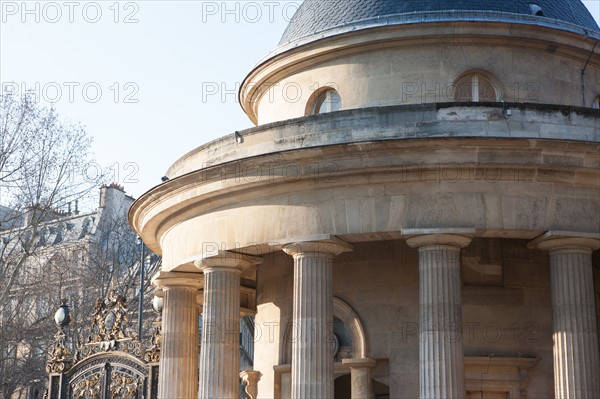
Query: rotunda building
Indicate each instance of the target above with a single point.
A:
(415, 214)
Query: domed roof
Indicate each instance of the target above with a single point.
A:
(315, 16)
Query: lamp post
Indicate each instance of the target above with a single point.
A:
(59, 357)
(62, 316)
(141, 294)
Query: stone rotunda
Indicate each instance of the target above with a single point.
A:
(415, 215)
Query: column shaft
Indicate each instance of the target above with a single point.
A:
(576, 356)
(220, 345)
(362, 381)
(178, 376)
(312, 345)
(441, 347)
(362, 387)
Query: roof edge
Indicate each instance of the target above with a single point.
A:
(432, 17)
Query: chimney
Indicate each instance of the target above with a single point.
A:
(111, 194)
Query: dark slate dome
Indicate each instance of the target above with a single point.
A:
(315, 16)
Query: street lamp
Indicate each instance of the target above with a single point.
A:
(59, 359)
(157, 304)
(141, 294)
(62, 317)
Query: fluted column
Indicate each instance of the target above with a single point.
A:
(441, 368)
(576, 353)
(312, 341)
(219, 366)
(361, 379)
(178, 376)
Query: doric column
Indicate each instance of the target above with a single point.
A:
(441, 368)
(219, 366)
(361, 379)
(178, 376)
(250, 379)
(312, 345)
(576, 356)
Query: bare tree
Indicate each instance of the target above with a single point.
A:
(112, 261)
(48, 249)
(43, 165)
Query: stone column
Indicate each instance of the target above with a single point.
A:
(178, 377)
(312, 345)
(441, 369)
(576, 353)
(250, 379)
(361, 379)
(220, 345)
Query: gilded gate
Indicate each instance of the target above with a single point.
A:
(111, 364)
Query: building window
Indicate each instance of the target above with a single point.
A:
(596, 104)
(327, 100)
(475, 87)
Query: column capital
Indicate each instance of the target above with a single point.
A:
(361, 363)
(458, 238)
(165, 280)
(556, 240)
(229, 259)
(332, 246)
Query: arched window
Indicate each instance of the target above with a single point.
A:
(348, 329)
(475, 87)
(327, 100)
(596, 104)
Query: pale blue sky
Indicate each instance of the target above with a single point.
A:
(133, 72)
